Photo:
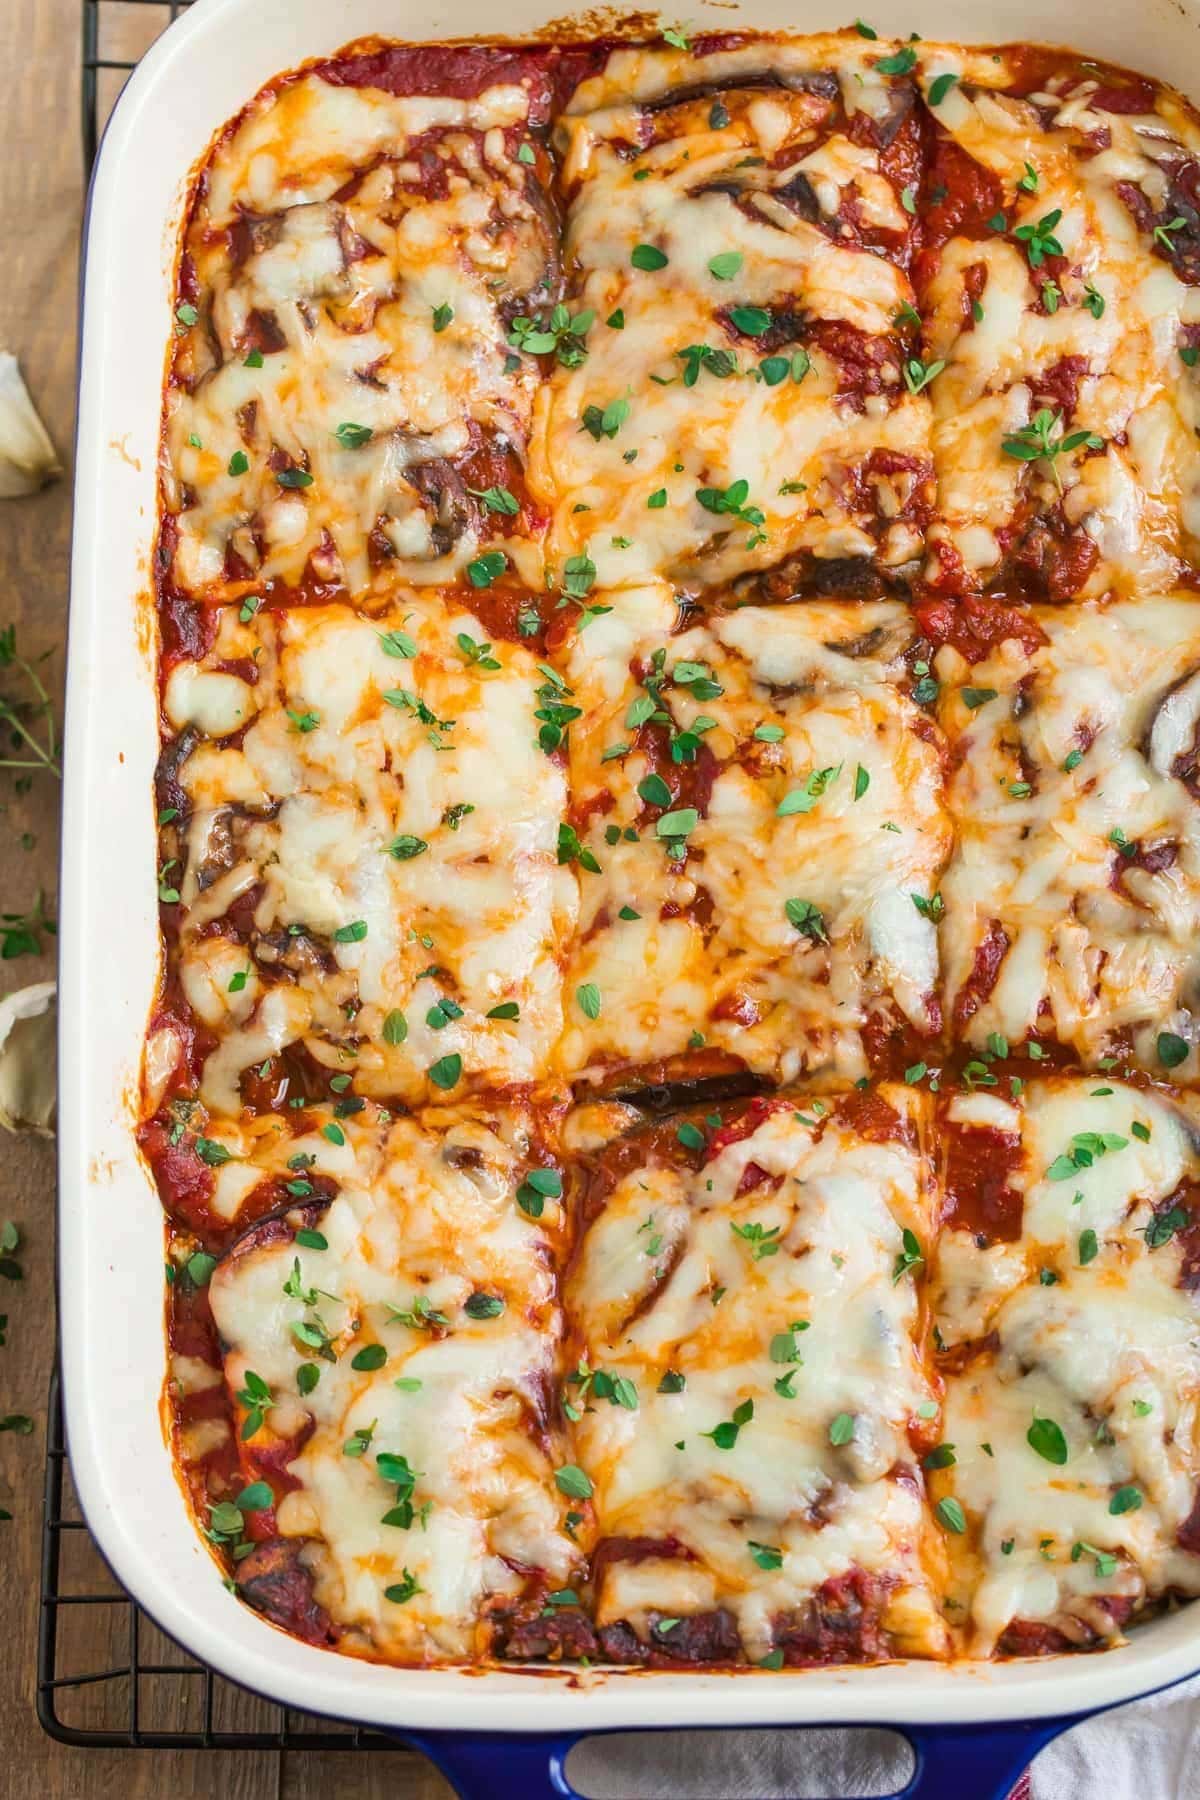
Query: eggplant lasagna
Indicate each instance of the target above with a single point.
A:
(676, 1080)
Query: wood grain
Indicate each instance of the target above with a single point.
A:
(41, 202)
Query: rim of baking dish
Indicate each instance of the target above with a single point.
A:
(110, 1271)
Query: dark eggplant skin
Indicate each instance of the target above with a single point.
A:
(274, 1581)
(281, 1224)
(677, 1083)
(569, 1636)
(698, 1639)
(805, 576)
(824, 83)
(445, 498)
(681, 1096)
(551, 1635)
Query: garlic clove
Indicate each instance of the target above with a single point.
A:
(27, 457)
(28, 1059)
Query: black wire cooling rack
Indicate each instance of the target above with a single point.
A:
(122, 1683)
(116, 35)
(129, 1686)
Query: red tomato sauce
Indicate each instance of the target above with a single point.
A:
(990, 952)
(978, 1162)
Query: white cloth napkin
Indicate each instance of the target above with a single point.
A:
(1147, 1751)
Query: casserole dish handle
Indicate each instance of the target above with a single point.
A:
(968, 1762)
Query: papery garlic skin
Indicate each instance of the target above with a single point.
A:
(28, 1059)
(28, 459)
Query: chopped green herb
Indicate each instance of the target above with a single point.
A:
(1171, 1049)
(1043, 439)
(487, 568)
(751, 321)
(1048, 1439)
(1164, 1225)
(1164, 235)
(902, 62)
(1039, 239)
(571, 1480)
(1093, 300)
(807, 919)
(841, 1429)
(446, 1071)
(725, 1435)
(405, 847)
(483, 1306)
(538, 1186)
(1086, 1148)
(498, 500)
(767, 1556)
(909, 1257)
(679, 824)
(200, 1266)
(803, 799)
(605, 421)
(570, 849)
(951, 1515)
(404, 1589)
(934, 908)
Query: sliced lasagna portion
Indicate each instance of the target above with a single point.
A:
(1059, 284)
(1072, 902)
(1069, 1326)
(737, 224)
(388, 1355)
(758, 825)
(361, 855)
(747, 1383)
(342, 394)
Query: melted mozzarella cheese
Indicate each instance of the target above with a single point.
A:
(664, 1282)
(388, 885)
(405, 817)
(425, 1214)
(382, 346)
(1051, 778)
(1107, 1349)
(829, 470)
(1119, 309)
(713, 947)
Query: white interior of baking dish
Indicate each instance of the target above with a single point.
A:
(111, 1263)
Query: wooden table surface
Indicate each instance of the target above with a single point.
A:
(41, 195)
